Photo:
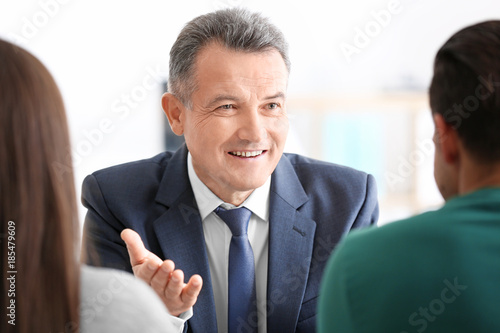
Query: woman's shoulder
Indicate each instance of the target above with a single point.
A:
(113, 300)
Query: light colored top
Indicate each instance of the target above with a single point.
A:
(436, 272)
(116, 301)
(218, 239)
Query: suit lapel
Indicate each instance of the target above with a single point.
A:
(180, 235)
(291, 239)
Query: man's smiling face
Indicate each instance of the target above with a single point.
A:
(237, 128)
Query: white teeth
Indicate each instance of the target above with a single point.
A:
(247, 153)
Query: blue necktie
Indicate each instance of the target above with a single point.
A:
(242, 309)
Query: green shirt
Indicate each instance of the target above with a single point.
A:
(435, 272)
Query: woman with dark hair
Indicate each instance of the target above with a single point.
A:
(44, 289)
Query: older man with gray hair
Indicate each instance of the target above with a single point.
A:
(229, 209)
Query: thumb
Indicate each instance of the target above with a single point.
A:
(136, 250)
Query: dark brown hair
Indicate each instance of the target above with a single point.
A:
(465, 88)
(37, 198)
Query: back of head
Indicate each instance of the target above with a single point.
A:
(235, 29)
(465, 88)
(37, 196)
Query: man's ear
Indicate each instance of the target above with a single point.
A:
(446, 139)
(174, 110)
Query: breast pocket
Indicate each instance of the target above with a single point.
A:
(308, 309)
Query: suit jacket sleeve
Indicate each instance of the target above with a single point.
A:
(368, 214)
(102, 244)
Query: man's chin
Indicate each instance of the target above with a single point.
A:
(249, 184)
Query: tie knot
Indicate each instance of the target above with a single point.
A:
(236, 219)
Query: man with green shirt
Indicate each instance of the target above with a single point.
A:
(439, 271)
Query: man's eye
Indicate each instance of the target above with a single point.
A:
(226, 107)
(273, 106)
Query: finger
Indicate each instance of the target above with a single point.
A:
(136, 250)
(192, 290)
(147, 270)
(175, 284)
(160, 279)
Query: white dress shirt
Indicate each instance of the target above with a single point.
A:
(218, 238)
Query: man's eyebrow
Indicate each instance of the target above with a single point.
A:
(220, 98)
(276, 96)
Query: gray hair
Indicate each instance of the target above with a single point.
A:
(236, 29)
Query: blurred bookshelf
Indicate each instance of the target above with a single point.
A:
(386, 134)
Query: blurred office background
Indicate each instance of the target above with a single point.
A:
(357, 90)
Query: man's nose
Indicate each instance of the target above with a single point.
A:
(252, 126)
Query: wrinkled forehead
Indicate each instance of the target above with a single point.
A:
(216, 64)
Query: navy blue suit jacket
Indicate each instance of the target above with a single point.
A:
(312, 204)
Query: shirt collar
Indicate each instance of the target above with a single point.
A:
(207, 201)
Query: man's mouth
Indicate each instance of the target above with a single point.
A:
(247, 154)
